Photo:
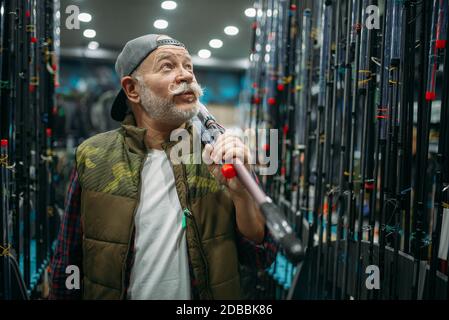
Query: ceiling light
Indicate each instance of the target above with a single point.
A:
(204, 54)
(216, 43)
(89, 33)
(160, 24)
(84, 17)
(231, 30)
(250, 12)
(93, 45)
(169, 5)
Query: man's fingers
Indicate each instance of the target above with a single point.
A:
(234, 153)
(207, 154)
(219, 151)
(226, 141)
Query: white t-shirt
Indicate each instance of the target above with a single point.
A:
(160, 269)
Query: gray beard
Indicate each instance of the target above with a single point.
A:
(165, 110)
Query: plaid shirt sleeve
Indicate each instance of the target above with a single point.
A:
(259, 256)
(69, 246)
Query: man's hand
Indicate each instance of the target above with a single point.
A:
(227, 149)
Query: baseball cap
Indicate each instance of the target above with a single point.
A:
(132, 55)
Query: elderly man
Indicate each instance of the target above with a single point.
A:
(139, 226)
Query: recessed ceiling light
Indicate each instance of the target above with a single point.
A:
(216, 43)
(84, 17)
(93, 45)
(204, 54)
(231, 30)
(160, 24)
(169, 5)
(250, 12)
(89, 33)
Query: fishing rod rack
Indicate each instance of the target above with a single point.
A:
(358, 91)
(28, 66)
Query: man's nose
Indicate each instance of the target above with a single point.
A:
(184, 76)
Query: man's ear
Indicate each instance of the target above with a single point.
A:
(131, 89)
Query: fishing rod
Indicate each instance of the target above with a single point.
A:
(306, 135)
(441, 202)
(429, 16)
(391, 208)
(383, 112)
(365, 99)
(344, 196)
(400, 190)
(321, 130)
(332, 187)
(354, 51)
(332, 7)
(6, 270)
(405, 156)
(275, 221)
(368, 87)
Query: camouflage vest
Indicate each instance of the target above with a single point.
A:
(109, 168)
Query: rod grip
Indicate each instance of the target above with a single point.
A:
(228, 171)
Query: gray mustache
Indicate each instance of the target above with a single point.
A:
(186, 87)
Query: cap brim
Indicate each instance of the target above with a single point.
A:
(119, 107)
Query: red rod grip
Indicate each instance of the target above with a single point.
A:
(228, 171)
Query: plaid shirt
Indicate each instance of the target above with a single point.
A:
(69, 248)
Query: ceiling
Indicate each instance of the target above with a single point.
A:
(193, 22)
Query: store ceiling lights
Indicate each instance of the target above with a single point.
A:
(204, 54)
(250, 12)
(93, 45)
(169, 5)
(84, 17)
(89, 33)
(216, 43)
(160, 24)
(231, 30)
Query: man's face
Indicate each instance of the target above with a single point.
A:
(168, 88)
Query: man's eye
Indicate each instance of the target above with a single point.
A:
(189, 66)
(167, 66)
